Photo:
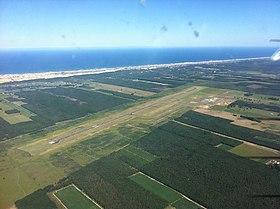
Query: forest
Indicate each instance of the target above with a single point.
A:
(224, 126)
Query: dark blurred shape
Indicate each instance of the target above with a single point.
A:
(196, 33)
(274, 40)
(163, 28)
(190, 23)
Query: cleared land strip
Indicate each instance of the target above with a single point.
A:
(229, 137)
(121, 89)
(149, 112)
(184, 196)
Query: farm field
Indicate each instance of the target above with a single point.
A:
(185, 157)
(173, 197)
(255, 152)
(151, 138)
(189, 157)
(80, 149)
(224, 126)
(72, 198)
(12, 118)
(156, 188)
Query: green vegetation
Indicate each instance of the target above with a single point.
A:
(119, 94)
(225, 147)
(189, 163)
(36, 200)
(74, 199)
(11, 115)
(156, 188)
(185, 204)
(224, 126)
(122, 80)
(59, 104)
(248, 104)
(101, 151)
(18, 106)
(107, 182)
(54, 105)
(135, 156)
(258, 153)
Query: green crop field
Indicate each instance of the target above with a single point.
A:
(72, 198)
(156, 188)
(135, 139)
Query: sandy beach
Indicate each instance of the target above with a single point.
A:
(5, 78)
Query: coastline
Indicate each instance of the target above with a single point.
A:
(8, 78)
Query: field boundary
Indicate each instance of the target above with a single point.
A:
(80, 192)
(229, 137)
(60, 202)
(183, 196)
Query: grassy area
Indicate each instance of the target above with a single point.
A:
(141, 153)
(185, 204)
(72, 198)
(121, 89)
(256, 152)
(116, 129)
(149, 112)
(156, 188)
(252, 112)
(16, 105)
(25, 173)
(13, 118)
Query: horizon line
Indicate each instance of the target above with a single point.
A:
(131, 47)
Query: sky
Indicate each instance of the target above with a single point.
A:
(138, 23)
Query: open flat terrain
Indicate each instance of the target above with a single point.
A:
(72, 198)
(152, 111)
(177, 137)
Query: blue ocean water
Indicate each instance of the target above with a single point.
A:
(45, 60)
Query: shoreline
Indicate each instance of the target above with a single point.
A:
(8, 78)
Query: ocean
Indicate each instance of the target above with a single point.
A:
(53, 60)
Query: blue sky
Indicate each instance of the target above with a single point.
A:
(138, 23)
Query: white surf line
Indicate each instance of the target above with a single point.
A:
(4, 78)
(171, 189)
(88, 197)
(229, 137)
